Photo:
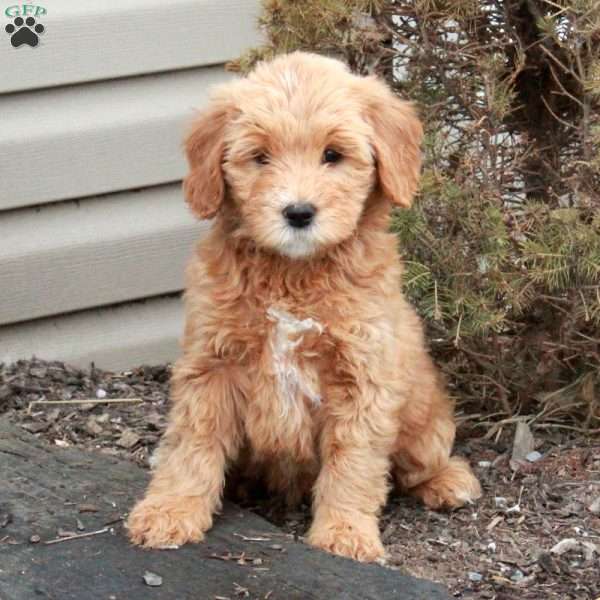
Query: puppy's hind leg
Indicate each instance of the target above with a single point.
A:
(422, 463)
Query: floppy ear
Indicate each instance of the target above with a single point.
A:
(397, 136)
(204, 186)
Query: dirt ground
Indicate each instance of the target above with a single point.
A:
(535, 534)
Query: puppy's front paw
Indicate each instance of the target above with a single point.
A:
(159, 521)
(354, 538)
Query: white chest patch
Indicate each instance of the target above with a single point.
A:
(287, 335)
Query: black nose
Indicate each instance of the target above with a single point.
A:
(299, 215)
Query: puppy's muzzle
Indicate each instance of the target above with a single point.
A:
(299, 215)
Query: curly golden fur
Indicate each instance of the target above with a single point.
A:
(302, 362)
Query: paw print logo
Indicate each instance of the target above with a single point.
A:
(24, 31)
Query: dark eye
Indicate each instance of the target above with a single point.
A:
(331, 156)
(261, 158)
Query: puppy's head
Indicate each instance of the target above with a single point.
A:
(295, 151)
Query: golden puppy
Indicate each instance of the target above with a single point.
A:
(300, 355)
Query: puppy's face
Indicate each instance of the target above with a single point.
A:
(298, 164)
(298, 147)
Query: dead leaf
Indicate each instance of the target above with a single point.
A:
(571, 544)
(35, 427)
(495, 522)
(589, 549)
(565, 545)
(5, 519)
(152, 579)
(523, 444)
(92, 426)
(594, 507)
(128, 439)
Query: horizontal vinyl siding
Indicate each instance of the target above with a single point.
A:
(87, 40)
(78, 254)
(113, 338)
(116, 135)
(94, 230)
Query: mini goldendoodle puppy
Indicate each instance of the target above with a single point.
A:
(301, 360)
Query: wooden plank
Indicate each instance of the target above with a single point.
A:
(73, 255)
(99, 39)
(42, 487)
(117, 337)
(97, 138)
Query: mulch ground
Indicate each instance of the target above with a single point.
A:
(534, 534)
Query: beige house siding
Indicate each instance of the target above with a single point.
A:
(115, 337)
(90, 40)
(94, 232)
(98, 138)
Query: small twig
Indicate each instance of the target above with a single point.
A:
(498, 425)
(547, 412)
(85, 401)
(252, 539)
(503, 394)
(457, 336)
(437, 313)
(577, 483)
(561, 65)
(562, 87)
(78, 536)
(565, 123)
(567, 428)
